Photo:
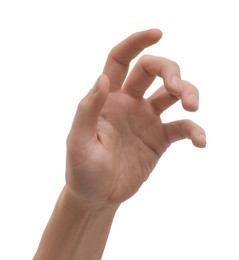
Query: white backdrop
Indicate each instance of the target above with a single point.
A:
(51, 53)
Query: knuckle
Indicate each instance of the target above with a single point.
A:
(188, 123)
(175, 65)
(170, 63)
(189, 87)
(144, 60)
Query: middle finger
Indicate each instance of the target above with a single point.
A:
(146, 70)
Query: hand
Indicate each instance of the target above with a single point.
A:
(117, 136)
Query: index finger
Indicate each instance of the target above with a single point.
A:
(119, 58)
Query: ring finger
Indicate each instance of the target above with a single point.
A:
(162, 99)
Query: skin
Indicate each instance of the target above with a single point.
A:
(116, 140)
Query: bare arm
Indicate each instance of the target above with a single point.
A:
(75, 231)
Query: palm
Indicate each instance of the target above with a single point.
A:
(127, 144)
(133, 138)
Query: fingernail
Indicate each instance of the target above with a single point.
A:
(193, 100)
(95, 88)
(176, 81)
(203, 140)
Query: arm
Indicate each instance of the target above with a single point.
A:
(75, 231)
(116, 139)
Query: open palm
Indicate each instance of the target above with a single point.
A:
(117, 136)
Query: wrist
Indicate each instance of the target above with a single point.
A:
(80, 203)
(91, 222)
(77, 229)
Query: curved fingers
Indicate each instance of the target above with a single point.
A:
(161, 99)
(145, 71)
(182, 129)
(117, 64)
(190, 97)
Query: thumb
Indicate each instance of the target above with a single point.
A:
(89, 108)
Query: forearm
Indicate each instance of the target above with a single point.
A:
(75, 231)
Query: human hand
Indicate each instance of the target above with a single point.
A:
(117, 136)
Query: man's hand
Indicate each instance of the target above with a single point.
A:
(116, 139)
(117, 136)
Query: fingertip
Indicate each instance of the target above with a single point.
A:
(104, 79)
(156, 34)
(102, 84)
(190, 97)
(144, 39)
(190, 102)
(200, 141)
(175, 85)
(203, 140)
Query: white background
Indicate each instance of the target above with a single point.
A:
(51, 53)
